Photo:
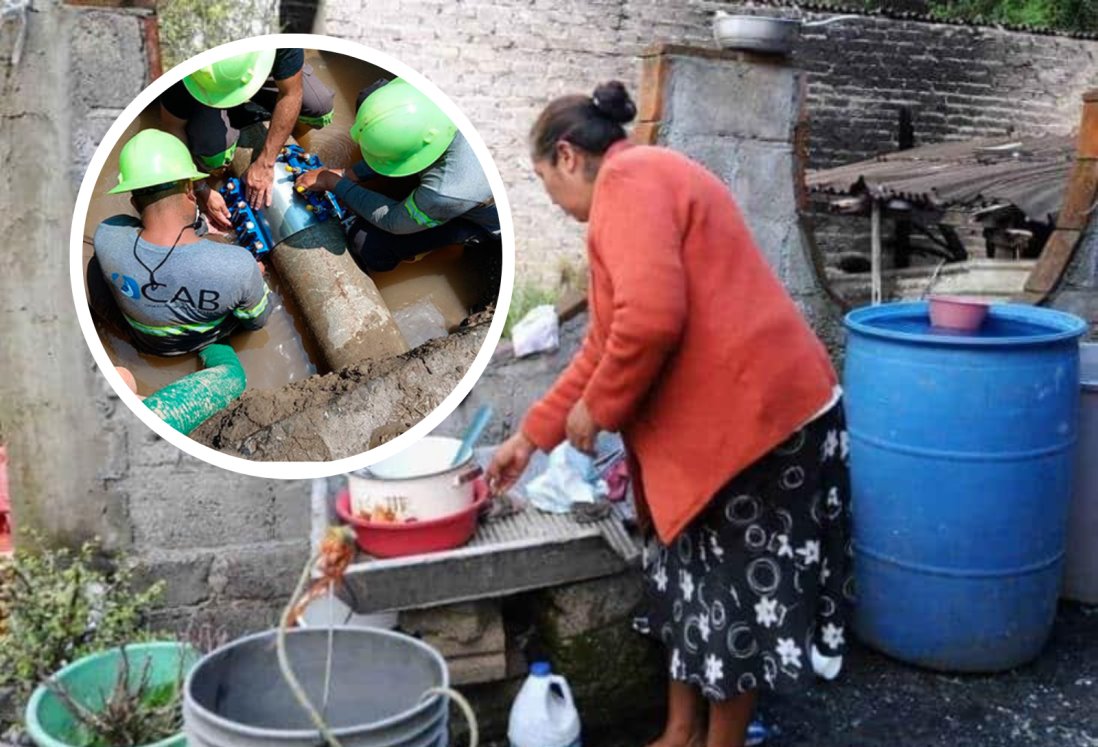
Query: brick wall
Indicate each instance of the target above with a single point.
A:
(502, 60)
(960, 82)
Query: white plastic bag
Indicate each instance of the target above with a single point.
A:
(420, 322)
(537, 332)
(569, 478)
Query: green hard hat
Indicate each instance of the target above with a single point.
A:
(400, 130)
(153, 157)
(231, 82)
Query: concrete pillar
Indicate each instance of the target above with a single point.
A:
(341, 305)
(754, 144)
(47, 380)
(1067, 273)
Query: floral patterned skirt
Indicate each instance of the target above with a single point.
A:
(762, 575)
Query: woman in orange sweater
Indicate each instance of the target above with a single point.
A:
(728, 406)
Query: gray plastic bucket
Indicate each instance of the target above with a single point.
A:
(237, 697)
(1081, 562)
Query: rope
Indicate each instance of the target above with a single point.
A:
(284, 661)
(463, 704)
(933, 279)
(299, 692)
(331, 645)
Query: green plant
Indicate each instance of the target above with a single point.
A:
(1067, 15)
(134, 713)
(60, 605)
(525, 298)
(573, 274)
(188, 27)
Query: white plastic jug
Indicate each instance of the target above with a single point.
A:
(543, 714)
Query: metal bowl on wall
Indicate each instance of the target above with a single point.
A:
(763, 34)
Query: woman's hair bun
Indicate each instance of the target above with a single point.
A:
(612, 101)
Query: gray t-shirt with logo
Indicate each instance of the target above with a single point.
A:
(203, 291)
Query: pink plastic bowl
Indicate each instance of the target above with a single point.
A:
(957, 312)
(384, 540)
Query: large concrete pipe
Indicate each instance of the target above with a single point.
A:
(342, 307)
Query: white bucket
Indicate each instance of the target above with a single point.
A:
(327, 611)
(420, 483)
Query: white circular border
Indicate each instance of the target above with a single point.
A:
(290, 470)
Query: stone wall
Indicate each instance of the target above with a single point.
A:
(81, 464)
(502, 60)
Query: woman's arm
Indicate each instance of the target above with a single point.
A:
(545, 422)
(639, 244)
(543, 427)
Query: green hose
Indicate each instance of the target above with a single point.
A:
(187, 403)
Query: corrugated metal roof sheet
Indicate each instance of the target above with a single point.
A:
(1030, 173)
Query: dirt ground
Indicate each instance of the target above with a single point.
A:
(878, 702)
(347, 412)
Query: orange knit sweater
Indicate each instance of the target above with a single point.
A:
(694, 350)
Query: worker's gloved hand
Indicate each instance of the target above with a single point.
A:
(258, 180)
(212, 205)
(317, 180)
(509, 462)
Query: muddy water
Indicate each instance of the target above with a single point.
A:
(443, 286)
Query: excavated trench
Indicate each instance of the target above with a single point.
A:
(323, 383)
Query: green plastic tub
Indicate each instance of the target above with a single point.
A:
(88, 680)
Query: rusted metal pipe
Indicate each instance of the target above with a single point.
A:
(342, 307)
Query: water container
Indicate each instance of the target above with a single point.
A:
(236, 696)
(543, 714)
(1081, 565)
(962, 448)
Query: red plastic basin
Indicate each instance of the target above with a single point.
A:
(390, 540)
(957, 312)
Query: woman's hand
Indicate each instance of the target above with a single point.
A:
(581, 428)
(317, 180)
(509, 462)
(212, 204)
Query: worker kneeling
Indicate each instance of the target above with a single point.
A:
(208, 108)
(401, 132)
(177, 292)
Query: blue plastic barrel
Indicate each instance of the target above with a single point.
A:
(961, 449)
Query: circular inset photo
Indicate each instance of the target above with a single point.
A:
(292, 256)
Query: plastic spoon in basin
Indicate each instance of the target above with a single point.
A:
(473, 432)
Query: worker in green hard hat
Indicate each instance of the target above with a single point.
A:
(401, 132)
(207, 109)
(172, 289)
